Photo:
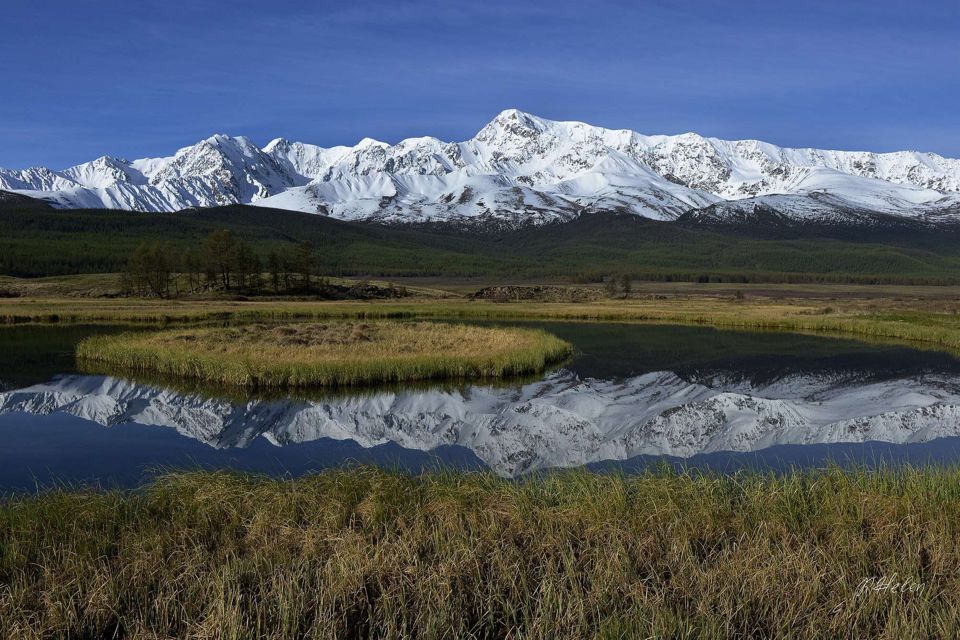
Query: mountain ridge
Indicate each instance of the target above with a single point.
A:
(518, 170)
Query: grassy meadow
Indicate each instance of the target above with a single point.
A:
(363, 553)
(340, 353)
(926, 316)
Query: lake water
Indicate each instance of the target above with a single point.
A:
(634, 395)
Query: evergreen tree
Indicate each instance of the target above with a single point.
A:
(275, 267)
(149, 270)
(303, 262)
(247, 266)
(190, 264)
(610, 286)
(219, 255)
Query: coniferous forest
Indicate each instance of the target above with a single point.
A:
(268, 241)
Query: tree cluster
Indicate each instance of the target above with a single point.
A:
(221, 262)
(150, 270)
(618, 286)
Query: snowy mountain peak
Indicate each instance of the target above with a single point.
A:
(518, 169)
(370, 142)
(103, 173)
(516, 119)
(281, 145)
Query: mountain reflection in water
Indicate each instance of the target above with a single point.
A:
(561, 420)
(631, 390)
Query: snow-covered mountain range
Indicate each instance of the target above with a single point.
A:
(562, 420)
(519, 169)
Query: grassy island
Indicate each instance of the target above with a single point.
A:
(330, 353)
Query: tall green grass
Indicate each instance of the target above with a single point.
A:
(333, 354)
(366, 553)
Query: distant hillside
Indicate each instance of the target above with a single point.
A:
(35, 242)
(10, 201)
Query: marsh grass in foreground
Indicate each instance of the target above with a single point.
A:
(329, 354)
(367, 553)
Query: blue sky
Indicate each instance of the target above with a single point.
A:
(145, 77)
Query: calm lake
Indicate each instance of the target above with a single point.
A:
(634, 395)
